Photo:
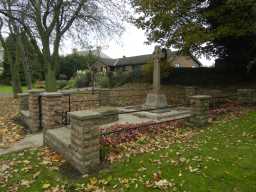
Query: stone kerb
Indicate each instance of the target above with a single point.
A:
(85, 137)
(200, 110)
(246, 96)
(51, 106)
(23, 101)
(34, 110)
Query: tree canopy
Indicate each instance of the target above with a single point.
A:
(200, 26)
(47, 23)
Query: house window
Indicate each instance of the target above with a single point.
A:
(178, 65)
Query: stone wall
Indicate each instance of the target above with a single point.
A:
(34, 108)
(52, 108)
(85, 137)
(23, 100)
(55, 106)
(246, 96)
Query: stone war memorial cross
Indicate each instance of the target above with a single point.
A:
(156, 99)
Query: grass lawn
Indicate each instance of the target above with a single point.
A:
(6, 89)
(220, 158)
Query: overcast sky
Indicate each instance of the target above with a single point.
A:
(131, 43)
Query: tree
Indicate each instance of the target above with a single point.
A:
(201, 26)
(70, 64)
(47, 22)
(236, 46)
(12, 54)
(176, 23)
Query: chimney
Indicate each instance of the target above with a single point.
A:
(74, 50)
(98, 51)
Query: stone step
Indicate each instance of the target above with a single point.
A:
(59, 140)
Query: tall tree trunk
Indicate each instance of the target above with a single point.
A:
(51, 83)
(25, 62)
(15, 70)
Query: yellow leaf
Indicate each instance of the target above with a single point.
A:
(46, 186)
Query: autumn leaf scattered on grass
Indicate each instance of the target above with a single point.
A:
(12, 132)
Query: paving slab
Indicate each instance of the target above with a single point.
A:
(30, 141)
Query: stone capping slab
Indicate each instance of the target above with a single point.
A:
(36, 91)
(25, 113)
(201, 97)
(23, 94)
(91, 114)
(51, 94)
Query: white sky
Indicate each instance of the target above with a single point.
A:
(131, 43)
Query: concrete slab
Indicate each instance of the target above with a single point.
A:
(158, 115)
(59, 140)
(62, 134)
(30, 141)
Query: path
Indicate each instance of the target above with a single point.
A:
(5, 94)
(30, 141)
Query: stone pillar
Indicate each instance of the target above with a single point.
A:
(51, 110)
(199, 110)
(85, 137)
(23, 100)
(190, 91)
(246, 96)
(34, 110)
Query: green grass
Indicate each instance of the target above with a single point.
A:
(6, 89)
(221, 158)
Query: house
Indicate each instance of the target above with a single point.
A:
(135, 64)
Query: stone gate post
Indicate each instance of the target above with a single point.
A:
(85, 137)
(23, 101)
(34, 109)
(51, 105)
(200, 110)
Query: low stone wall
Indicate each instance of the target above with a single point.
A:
(23, 100)
(246, 96)
(54, 106)
(80, 145)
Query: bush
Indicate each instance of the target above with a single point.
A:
(103, 80)
(61, 84)
(112, 79)
(120, 78)
(148, 71)
(82, 79)
(69, 65)
(70, 84)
